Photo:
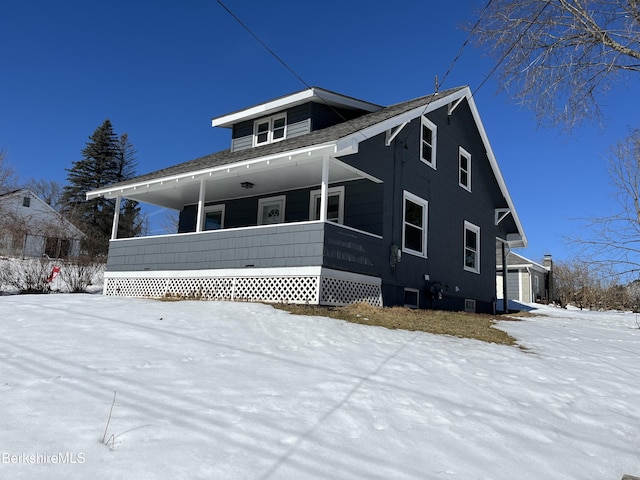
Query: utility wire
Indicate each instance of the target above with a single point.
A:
(259, 40)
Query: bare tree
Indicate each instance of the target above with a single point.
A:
(613, 241)
(8, 176)
(48, 191)
(559, 56)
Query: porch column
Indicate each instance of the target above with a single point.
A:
(116, 218)
(324, 189)
(200, 218)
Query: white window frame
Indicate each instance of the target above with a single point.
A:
(462, 153)
(270, 121)
(280, 200)
(417, 292)
(468, 226)
(316, 194)
(425, 222)
(209, 209)
(426, 123)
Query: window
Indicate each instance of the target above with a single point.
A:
(414, 221)
(464, 164)
(213, 217)
(411, 298)
(335, 205)
(26, 201)
(270, 129)
(471, 247)
(271, 210)
(428, 142)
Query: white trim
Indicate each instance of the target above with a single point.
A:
(279, 200)
(425, 222)
(463, 153)
(433, 128)
(288, 101)
(314, 194)
(417, 292)
(249, 272)
(219, 207)
(269, 121)
(476, 229)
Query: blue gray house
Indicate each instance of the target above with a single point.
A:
(326, 199)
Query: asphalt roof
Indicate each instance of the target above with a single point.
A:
(317, 137)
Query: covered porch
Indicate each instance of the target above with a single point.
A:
(239, 247)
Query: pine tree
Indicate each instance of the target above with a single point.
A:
(106, 159)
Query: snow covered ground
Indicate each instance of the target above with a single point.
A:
(212, 390)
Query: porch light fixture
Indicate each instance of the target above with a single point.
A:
(246, 185)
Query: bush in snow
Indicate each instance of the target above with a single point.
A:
(30, 275)
(79, 275)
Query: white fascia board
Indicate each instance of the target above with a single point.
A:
(279, 104)
(514, 242)
(165, 182)
(348, 144)
(262, 109)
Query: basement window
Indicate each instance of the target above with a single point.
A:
(411, 298)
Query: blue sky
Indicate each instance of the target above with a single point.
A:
(161, 69)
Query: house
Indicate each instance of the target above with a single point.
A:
(29, 227)
(527, 281)
(326, 199)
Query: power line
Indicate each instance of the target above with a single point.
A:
(259, 40)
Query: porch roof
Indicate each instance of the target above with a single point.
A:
(336, 140)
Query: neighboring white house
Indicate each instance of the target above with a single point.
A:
(29, 227)
(527, 281)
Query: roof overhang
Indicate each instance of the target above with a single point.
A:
(349, 144)
(268, 174)
(310, 95)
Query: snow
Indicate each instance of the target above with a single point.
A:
(243, 391)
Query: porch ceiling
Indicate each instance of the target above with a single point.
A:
(267, 176)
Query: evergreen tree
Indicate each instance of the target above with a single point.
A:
(106, 159)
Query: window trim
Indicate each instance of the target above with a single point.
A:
(270, 121)
(412, 290)
(463, 153)
(281, 199)
(425, 222)
(220, 207)
(468, 226)
(425, 122)
(314, 194)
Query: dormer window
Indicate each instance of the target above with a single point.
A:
(270, 129)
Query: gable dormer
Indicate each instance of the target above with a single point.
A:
(290, 116)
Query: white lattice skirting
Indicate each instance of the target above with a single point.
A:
(306, 285)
